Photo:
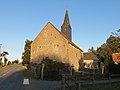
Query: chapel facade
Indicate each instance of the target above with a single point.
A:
(56, 45)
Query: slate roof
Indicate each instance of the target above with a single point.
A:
(66, 20)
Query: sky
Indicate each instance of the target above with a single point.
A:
(92, 21)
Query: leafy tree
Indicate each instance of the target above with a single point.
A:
(113, 43)
(26, 53)
(13, 62)
(3, 54)
(0, 61)
(9, 63)
(5, 60)
(92, 50)
(17, 61)
(117, 33)
(105, 51)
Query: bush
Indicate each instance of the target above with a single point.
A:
(52, 69)
(114, 69)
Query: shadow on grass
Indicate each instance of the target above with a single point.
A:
(107, 86)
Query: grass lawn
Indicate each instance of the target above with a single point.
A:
(109, 86)
(7, 66)
(27, 73)
(3, 68)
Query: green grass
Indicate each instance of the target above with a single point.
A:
(112, 86)
(29, 74)
(2, 68)
(109, 86)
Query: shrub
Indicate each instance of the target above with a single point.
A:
(52, 69)
(114, 69)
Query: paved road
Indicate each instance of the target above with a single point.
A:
(11, 78)
(43, 85)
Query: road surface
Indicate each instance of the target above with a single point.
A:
(11, 78)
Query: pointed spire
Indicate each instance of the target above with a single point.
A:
(66, 28)
(66, 20)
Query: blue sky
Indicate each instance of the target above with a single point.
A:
(92, 21)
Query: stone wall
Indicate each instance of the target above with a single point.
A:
(52, 44)
(49, 43)
(75, 56)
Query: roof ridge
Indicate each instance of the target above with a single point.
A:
(70, 42)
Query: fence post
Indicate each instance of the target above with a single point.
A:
(93, 72)
(103, 69)
(109, 76)
(77, 86)
(42, 72)
(63, 82)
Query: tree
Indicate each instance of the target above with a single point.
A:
(0, 61)
(17, 61)
(9, 63)
(26, 53)
(92, 50)
(3, 54)
(104, 52)
(114, 43)
(117, 33)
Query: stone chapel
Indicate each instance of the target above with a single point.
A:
(56, 45)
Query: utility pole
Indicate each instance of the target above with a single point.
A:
(0, 55)
(0, 48)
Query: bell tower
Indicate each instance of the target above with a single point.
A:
(66, 28)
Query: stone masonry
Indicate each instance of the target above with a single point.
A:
(55, 45)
